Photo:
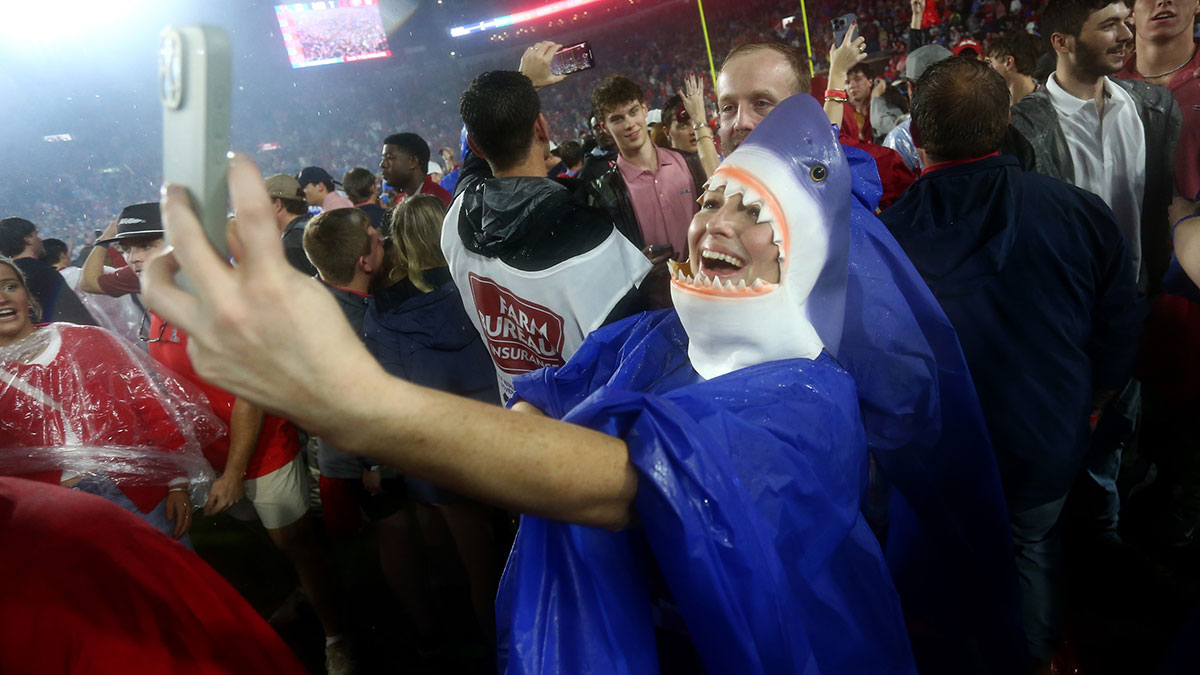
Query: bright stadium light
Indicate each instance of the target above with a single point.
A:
(519, 17)
(33, 22)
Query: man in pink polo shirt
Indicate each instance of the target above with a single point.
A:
(650, 192)
(1166, 55)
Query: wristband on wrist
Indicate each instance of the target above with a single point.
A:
(697, 126)
(178, 488)
(838, 95)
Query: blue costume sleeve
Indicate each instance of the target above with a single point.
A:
(747, 504)
(949, 545)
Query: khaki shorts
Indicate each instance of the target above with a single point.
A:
(278, 499)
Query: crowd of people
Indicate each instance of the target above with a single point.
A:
(658, 48)
(845, 364)
(337, 32)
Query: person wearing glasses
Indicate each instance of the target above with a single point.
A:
(84, 409)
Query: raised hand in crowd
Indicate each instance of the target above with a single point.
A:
(918, 12)
(842, 58)
(535, 64)
(693, 102)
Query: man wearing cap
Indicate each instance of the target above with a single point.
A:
(138, 234)
(291, 215)
(19, 240)
(900, 139)
(320, 189)
(969, 47)
(404, 164)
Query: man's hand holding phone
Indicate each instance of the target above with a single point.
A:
(535, 64)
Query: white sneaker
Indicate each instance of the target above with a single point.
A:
(338, 660)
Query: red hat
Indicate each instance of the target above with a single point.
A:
(965, 44)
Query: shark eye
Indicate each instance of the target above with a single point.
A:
(818, 173)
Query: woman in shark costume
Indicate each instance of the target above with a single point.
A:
(749, 445)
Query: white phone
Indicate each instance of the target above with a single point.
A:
(195, 86)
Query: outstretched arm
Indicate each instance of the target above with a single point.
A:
(251, 332)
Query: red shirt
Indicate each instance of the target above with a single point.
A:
(118, 282)
(429, 187)
(894, 174)
(1186, 90)
(277, 443)
(852, 127)
(88, 390)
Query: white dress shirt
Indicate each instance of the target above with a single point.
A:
(1109, 155)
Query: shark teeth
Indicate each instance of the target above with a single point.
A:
(707, 284)
(750, 198)
(725, 257)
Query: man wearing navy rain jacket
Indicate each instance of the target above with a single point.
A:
(1036, 279)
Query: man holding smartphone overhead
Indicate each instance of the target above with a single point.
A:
(537, 268)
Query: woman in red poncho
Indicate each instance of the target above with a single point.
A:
(83, 408)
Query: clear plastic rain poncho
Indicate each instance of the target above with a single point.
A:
(81, 402)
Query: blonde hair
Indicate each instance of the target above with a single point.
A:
(417, 239)
(35, 308)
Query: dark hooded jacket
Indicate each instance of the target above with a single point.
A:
(533, 223)
(1034, 275)
(427, 339)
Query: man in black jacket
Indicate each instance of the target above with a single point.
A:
(1081, 103)
(1117, 139)
(19, 240)
(537, 269)
(1035, 277)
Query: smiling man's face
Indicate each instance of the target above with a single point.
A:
(626, 123)
(1104, 42)
(748, 87)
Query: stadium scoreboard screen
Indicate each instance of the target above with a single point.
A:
(332, 31)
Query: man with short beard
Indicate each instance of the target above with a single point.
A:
(1114, 138)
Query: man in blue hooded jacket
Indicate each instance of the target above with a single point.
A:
(1035, 277)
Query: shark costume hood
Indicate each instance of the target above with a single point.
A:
(799, 179)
